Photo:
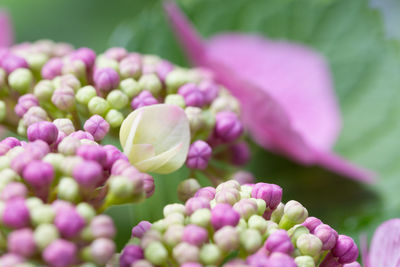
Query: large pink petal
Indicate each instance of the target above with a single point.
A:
(285, 91)
(385, 245)
(6, 31)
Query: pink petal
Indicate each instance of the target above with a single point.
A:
(285, 91)
(385, 245)
(6, 31)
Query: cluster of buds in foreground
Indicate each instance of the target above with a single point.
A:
(52, 191)
(238, 225)
(52, 83)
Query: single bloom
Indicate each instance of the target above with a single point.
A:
(285, 90)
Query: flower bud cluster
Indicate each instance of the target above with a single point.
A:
(238, 225)
(53, 190)
(48, 82)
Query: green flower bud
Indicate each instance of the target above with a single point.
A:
(98, 105)
(85, 94)
(69, 164)
(201, 217)
(55, 159)
(68, 189)
(45, 234)
(68, 80)
(86, 211)
(174, 218)
(309, 245)
(159, 226)
(242, 225)
(21, 128)
(13, 152)
(156, 253)
(44, 90)
(21, 80)
(42, 214)
(105, 62)
(261, 206)
(250, 240)
(227, 238)
(36, 61)
(86, 234)
(64, 125)
(76, 68)
(245, 191)
(151, 83)
(230, 184)
(3, 110)
(174, 208)
(33, 203)
(277, 213)
(130, 87)
(297, 231)
(271, 227)
(259, 223)
(173, 234)
(187, 188)
(150, 237)
(195, 118)
(117, 99)
(122, 190)
(185, 252)
(175, 79)
(210, 254)
(304, 261)
(114, 118)
(4, 163)
(175, 99)
(293, 213)
(7, 176)
(225, 103)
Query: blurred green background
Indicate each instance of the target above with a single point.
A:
(351, 34)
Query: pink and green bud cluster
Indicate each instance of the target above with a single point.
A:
(238, 225)
(44, 81)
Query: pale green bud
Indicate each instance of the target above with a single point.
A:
(98, 105)
(174, 218)
(187, 188)
(159, 225)
(130, 87)
(105, 62)
(261, 206)
(21, 128)
(44, 90)
(151, 83)
(69, 145)
(277, 213)
(114, 118)
(33, 203)
(185, 252)
(174, 208)
(45, 234)
(175, 99)
(156, 253)
(271, 227)
(69, 164)
(3, 110)
(201, 217)
(64, 125)
(297, 231)
(86, 211)
(242, 225)
(225, 103)
(149, 237)
(227, 238)
(173, 234)
(230, 184)
(117, 99)
(245, 191)
(4, 163)
(259, 223)
(55, 159)
(293, 213)
(210, 254)
(194, 115)
(15, 151)
(36, 61)
(42, 214)
(175, 79)
(7, 176)
(68, 189)
(121, 187)
(250, 240)
(21, 80)
(85, 94)
(304, 261)
(309, 244)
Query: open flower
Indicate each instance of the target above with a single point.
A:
(285, 91)
(156, 138)
(6, 32)
(385, 246)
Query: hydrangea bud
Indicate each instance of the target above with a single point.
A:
(228, 126)
(185, 252)
(296, 231)
(130, 67)
(39, 175)
(43, 90)
(130, 87)
(206, 192)
(201, 217)
(68, 189)
(304, 261)
(34, 114)
(229, 196)
(145, 98)
(12, 62)
(195, 203)
(240, 153)
(60, 253)
(309, 244)
(13, 190)
(156, 253)
(44, 235)
(10, 260)
(279, 241)
(281, 259)
(250, 240)
(187, 188)
(210, 254)
(227, 238)
(43, 130)
(294, 213)
(223, 215)
(243, 177)
(345, 249)
(114, 118)
(25, 102)
(97, 127)
(85, 94)
(196, 119)
(192, 95)
(150, 83)
(199, 155)
(16, 214)
(21, 80)
(102, 226)
(63, 98)
(327, 235)
(106, 79)
(246, 208)
(98, 105)
(86, 55)
(52, 68)
(257, 222)
(102, 250)
(117, 99)
(195, 235)
(141, 228)
(69, 222)
(130, 255)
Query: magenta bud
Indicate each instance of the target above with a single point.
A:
(130, 255)
(192, 95)
(113, 154)
(92, 152)
(88, 174)
(228, 126)
(279, 241)
(69, 222)
(19, 162)
(52, 68)
(243, 177)
(39, 175)
(63, 97)
(327, 235)
(199, 155)
(281, 260)
(270, 193)
(11, 142)
(86, 55)
(223, 215)
(25, 102)
(194, 235)
(102, 226)
(21, 242)
(145, 98)
(196, 203)
(345, 249)
(240, 153)
(106, 79)
(206, 192)
(148, 184)
(130, 66)
(210, 91)
(13, 190)
(82, 135)
(4, 149)
(12, 62)
(37, 149)
(43, 130)
(119, 166)
(97, 126)
(116, 53)
(16, 214)
(141, 228)
(60, 253)
(311, 223)
(10, 260)
(163, 68)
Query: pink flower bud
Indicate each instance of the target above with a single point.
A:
(60, 253)
(222, 215)
(192, 95)
(196, 203)
(13, 190)
(311, 223)
(106, 79)
(86, 55)
(102, 226)
(270, 193)
(25, 102)
(116, 53)
(12, 62)
(97, 126)
(21, 242)
(52, 68)
(206, 192)
(141, 228)
(199, 155)
(327, 235)
(345, 249)
(69, 222)
(88, 174)
(194, 235)
(130, 255)
(43, 130)
(279, 241)
(145, 98)
(16, 214)
(94, 153)
(227, 126)
(63, 97)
